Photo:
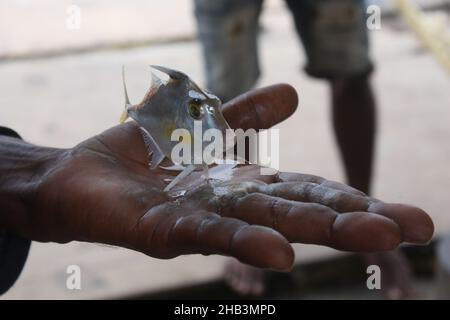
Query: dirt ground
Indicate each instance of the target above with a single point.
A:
(62, 100)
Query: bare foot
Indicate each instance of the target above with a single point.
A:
(244, 279)
(396, 274)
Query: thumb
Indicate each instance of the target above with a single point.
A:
(261, 108)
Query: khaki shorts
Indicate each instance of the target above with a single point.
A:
(333, 33)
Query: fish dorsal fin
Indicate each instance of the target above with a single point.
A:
(125, 115)
(178, 75)
(153, 149)
(173, 74)
(127, 100)
(156, 81)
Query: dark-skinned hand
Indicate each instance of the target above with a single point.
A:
(102, 190)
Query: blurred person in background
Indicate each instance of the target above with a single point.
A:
(335, 40)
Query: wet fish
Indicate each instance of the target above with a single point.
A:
(175, 104)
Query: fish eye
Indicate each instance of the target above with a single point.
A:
(195, 109)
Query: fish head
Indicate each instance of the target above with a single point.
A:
(190, 102)
(191, 108)
(179, 103)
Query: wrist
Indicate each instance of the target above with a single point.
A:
(23, 167)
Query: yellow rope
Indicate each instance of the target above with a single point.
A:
(437, 41)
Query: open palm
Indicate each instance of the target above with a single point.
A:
(103, 191)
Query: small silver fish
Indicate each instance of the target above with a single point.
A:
(171, 105)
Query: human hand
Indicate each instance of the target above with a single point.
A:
(103, 191)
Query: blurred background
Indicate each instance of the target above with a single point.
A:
(60, 85)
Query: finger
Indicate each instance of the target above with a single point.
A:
(416, 225)
(317, 224)
(208, 233)
(338, 200)
(299, 177)
(261, 108)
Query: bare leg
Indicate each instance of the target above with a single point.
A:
(229, 42)
(354, 120)
(353, 110)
